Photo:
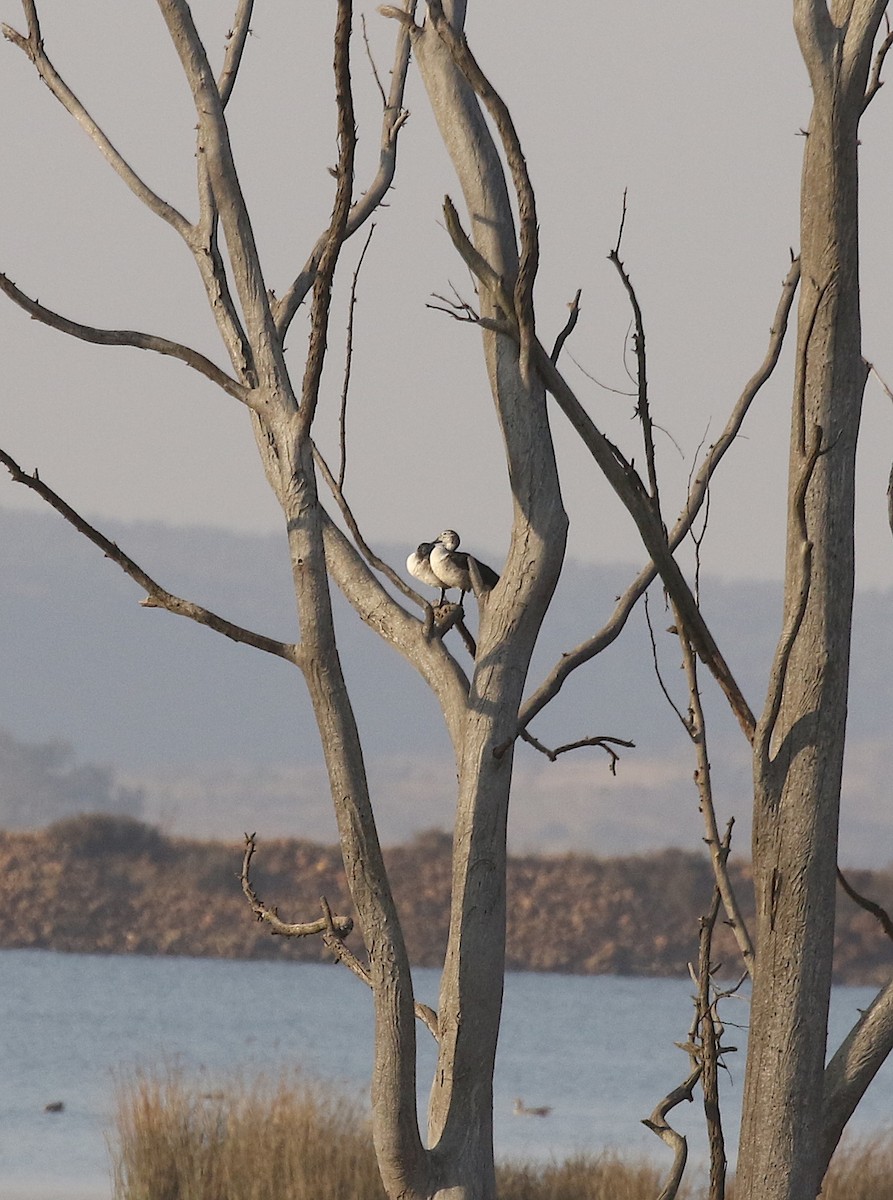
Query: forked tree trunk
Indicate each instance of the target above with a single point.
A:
(460, 1120)
(799, 746)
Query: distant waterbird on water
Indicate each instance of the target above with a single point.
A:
(521, 1110)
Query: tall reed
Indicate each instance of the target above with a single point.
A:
(288, 1139)
(267, 1139)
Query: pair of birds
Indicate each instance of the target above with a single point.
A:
(441, 564)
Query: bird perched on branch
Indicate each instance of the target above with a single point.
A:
(456, 569)
(419, 566)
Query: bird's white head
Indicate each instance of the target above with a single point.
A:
(449, 539)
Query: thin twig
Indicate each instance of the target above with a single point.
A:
(709, 1033)
(573, 317)
(369, 56)
(606, 387)
(719, 849)
(875, 83)
(348, 359)
(872, 369)
(350, 520)
(643, 411)
(604, 742)
(685, 721)
(573, 659)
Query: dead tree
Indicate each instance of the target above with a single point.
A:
(786, 1136)
(798, 739)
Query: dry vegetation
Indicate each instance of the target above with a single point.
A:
(287, 1139)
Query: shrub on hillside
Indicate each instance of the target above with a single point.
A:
(96, 835)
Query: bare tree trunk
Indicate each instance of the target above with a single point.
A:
(799, 745)
(460, 1125)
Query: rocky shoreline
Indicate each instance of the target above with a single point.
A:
(111, 885)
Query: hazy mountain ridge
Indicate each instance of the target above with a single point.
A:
(214, 737)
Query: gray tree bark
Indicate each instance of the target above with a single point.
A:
(799, 744)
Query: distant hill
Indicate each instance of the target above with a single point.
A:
(190, 730)
(115, 886)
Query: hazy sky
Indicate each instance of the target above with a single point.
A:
(694, 108)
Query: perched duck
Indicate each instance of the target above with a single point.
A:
(419, 566)
(451, 565)
(521, 1109)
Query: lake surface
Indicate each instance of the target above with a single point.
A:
(598, 1049)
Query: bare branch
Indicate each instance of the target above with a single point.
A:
(270, 916)
(334, 940)
(572, 319)
(880, 914)
(393, 120)
(337, 232)
(861, 30)
(643, 411)
(223, 181)
(875, 83)
(872, 369)
(158, 597)
(852, 1068)
(333, 930)
(368, 553)
(235, 47)
(604, 741)
(631, 491)
(33, 47)
(528, 261)
(708, 1030)
(779, 670)
(732, 428)
(475, 261)
(128, 337)
(372, 66)
(719, 849)
(348, 361)
(684, 721)
(573, 659)
(658, 1124)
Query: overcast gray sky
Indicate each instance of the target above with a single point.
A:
(694, 108)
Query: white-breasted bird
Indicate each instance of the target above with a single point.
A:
(419, 566)
(452, 566)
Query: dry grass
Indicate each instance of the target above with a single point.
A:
(581, 1178)
(285, 1139)
(861, 1170)
(279, 1139)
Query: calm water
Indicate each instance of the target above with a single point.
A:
(598, 1049)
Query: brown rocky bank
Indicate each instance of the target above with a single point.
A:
(108, 885)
